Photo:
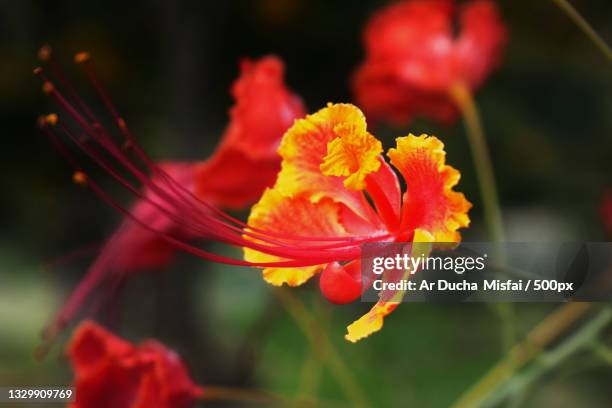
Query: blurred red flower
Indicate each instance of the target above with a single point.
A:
(413, 58)
(243, 165)
(606, 211)
(110, 372)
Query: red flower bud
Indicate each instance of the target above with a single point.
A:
(341, 284)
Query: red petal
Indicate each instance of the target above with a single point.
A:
(92, 345)
(385, 191)
(246, 161)
(124, 376)
(232, 179)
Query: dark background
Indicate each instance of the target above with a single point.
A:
(169, 65)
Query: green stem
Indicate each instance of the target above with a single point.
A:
(490, 199)
(482, 160)
(522, 353)
(505, 311)
(310, 374)
(311, 369)
(586, 28)
(547, 361)
(320, 342)
(604, 352)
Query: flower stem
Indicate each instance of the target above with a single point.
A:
(586, 28)
(312, 367)
(482, 160)
(488, 191)
(604, 352)
(522, 353)
(320, 342)
(547, 361)
(310, 374)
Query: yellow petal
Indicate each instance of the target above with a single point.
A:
(297, 217)
(373, 320)
(353, 154)
(304, 148)
(370, 322)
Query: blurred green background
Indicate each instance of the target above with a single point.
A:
(169, 65)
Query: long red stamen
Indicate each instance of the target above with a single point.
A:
(100, 135)
(84, 59)
(312, 255)
(296, 262)
(204, 220)
(230, 239)
(45, 54)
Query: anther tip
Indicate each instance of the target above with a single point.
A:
(81, 57)
(79, 178)
(38, 70)
(47, 87)
(51, 119)
(44, 53)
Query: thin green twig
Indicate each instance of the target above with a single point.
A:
(522, 353)
(586, 28)
(490, 199)
(312, 367)
(547, 361)
(603, 351)
(320, 342)
(310, 374)
(482, 160)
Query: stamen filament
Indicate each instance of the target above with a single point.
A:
(174, 200)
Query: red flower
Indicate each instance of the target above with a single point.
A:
(244, 164)
(334, 192)
(606, 211)
(331, 166)
(110, 372)
(412, 57)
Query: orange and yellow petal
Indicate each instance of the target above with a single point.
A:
(374, 319)
(297, 217)
(370, 322)
(430, 202)
(304, 148)
(353, 155)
